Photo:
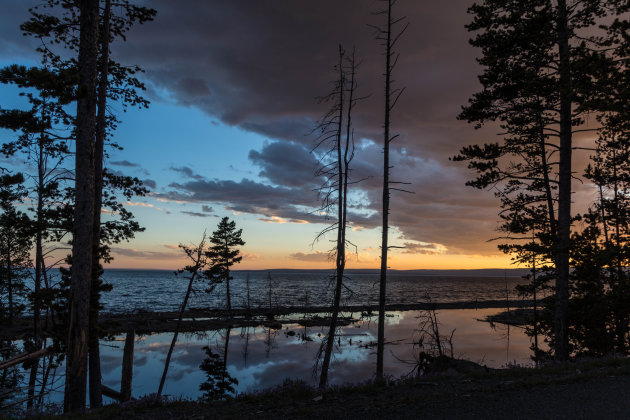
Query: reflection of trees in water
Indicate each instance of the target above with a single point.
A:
(245, 338)
(270, 340)
(219, 384)
(11, 377)
(16, 391)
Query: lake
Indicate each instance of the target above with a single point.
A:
(260, 358)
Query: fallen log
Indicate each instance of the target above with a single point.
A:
(111, 393)
(22, 357)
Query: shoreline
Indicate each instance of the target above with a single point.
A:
(199, 319)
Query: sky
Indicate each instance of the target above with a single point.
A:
(233, 89)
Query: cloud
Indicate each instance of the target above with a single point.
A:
(138, 204)
(280, 220)
(187, 172)
(125, 163)
(258, 66)
(286, 163)
(423, 248)
(149, 255)
(250, 256)
(317, 256)
(207, 209)
(196, 214)
(149, 183)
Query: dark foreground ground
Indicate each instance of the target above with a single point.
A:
(579, 390)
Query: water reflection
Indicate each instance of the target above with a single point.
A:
(260, 357)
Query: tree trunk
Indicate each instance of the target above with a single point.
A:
(77, 345)
(340, 257)
(380, 350)
(96, 394)
(31, 384)
(127, 367)
(10, 281)
(225, 354)
(561, 340)
(176, 333)
(39, 250)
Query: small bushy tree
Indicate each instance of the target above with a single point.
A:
(223, 254)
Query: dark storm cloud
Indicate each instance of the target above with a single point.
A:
(261, 65)
(286, 163)
(264, 74)
(289, 204)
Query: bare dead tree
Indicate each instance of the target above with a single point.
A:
(388, 36)
(335, 170)
(199, 262)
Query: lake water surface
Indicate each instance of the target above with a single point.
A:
(161, 290)
(260, 357)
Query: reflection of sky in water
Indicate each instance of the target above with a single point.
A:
(260, 358)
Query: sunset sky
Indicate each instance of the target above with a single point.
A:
(233, 88)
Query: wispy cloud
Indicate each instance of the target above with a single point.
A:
(150, 255)
(125, 163)
(317, 256)
(138, 204)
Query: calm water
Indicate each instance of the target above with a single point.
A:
(260, 358)
(157, 290)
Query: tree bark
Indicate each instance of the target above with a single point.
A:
(96, 394)
(78, 328)
(561, 341)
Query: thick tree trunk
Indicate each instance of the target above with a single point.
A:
(96, 394)
(561, 340)
(78, 329)
(380, 349)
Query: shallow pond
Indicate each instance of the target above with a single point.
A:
(261, 357)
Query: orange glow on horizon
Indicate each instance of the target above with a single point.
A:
(397, 261)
